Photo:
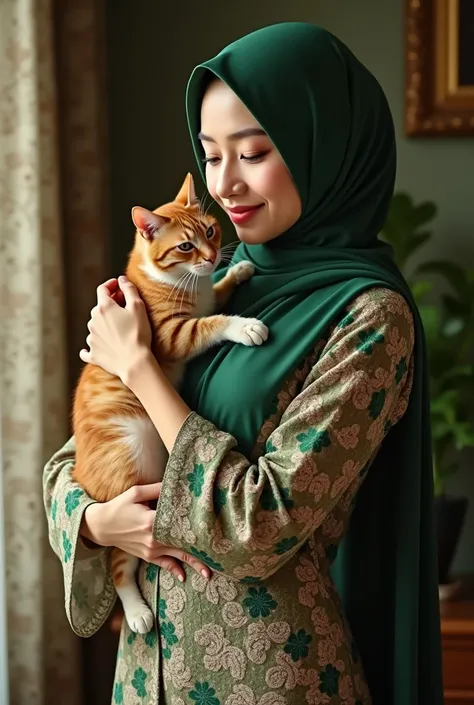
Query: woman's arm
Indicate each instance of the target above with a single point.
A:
(248, 519)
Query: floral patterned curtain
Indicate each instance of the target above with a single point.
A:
(52, 190)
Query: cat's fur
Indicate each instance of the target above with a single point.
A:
(117, 446)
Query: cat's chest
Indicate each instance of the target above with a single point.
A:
(205, 299)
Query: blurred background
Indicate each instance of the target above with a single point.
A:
(92, 122)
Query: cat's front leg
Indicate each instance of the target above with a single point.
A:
(235, 275)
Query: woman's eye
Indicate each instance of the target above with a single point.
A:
(210, 232)
(211, 160)
(253, 158)
(186, 247)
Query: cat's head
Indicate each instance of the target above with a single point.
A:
(177, 238)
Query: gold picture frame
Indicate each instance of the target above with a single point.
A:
(439, 95)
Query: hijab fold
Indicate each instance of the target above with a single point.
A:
(329, 119)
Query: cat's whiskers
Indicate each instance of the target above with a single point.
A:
(182, 290)
(176, 286)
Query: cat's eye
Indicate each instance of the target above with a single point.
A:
(186, 247)
(210, 232)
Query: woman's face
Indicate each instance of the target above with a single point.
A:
(245, 173)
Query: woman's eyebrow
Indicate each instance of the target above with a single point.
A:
(240, 134)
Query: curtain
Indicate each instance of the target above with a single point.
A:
(52, 201)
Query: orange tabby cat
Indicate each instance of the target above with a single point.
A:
(117, 446)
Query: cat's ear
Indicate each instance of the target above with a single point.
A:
(147, 223)
(187, 194)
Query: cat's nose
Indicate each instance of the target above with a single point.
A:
(210, 258)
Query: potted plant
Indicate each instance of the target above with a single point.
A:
(448, 319)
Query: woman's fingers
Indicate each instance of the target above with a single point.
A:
(180, 555)
(172, 566)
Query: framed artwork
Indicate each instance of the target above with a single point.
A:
(439, 94)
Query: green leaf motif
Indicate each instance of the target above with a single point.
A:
(203, 694)
(368, 340)
(162, 608)
(131, 638)
(166, 653)
(72, 500)
(202, 555)
(118, 694)
(168, 632)
(329, 680)
(377, 403)
(151, 572)
(67, 546)
(313, 440)
(285, 545)
(54, 510)
(138, 682)
(249, 580)
(259, 602)
(347, 321)
(220, 499)
(270, 448)
(271, 502)
(151, 639)
(196, 480)
(401, 370)
(297, 645)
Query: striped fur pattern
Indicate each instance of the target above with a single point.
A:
(176, 248)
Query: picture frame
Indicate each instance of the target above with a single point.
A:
(439, 93)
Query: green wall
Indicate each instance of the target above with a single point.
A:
(152, 49)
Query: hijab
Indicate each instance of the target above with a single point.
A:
(329, 119)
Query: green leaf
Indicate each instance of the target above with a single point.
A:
(431, 321)
(453, 273)
(453, 326)
(420, 289)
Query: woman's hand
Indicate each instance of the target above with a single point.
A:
(125, 522)
(119, 330)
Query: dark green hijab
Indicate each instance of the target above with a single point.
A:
(330, 121)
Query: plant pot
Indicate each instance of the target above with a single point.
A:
(450, 513)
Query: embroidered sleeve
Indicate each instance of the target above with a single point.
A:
(248, 519)
(89, 591)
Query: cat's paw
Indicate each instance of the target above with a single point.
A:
(247, 331)
(242, 271)
(139, 619)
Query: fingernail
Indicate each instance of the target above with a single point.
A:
(123, 279)
(181, 578)
(205, 573)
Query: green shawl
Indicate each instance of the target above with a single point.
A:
(330, 121)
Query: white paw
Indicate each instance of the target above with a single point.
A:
(242, 271)
(247, 331)
(140, 619)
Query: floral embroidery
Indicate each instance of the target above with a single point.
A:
(329, 680)
(346, 321)
(54, 510)
(270, 502)
(196, 480)
(368, 340)
(401, 370)
(67, 546)
(72, 500)
(203, 694)
(202, 555)
(270, 448)
(377, 403)
(285, 545)
(118, 694)
(138, 682)
(168, 632)
(313, 440)
(297, 645)
(151, 639)
(260, 602)
(162, 608)
(219, 498)
(151, 572)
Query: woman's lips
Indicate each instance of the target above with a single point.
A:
(242, 214)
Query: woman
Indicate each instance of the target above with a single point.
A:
(295, 468)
